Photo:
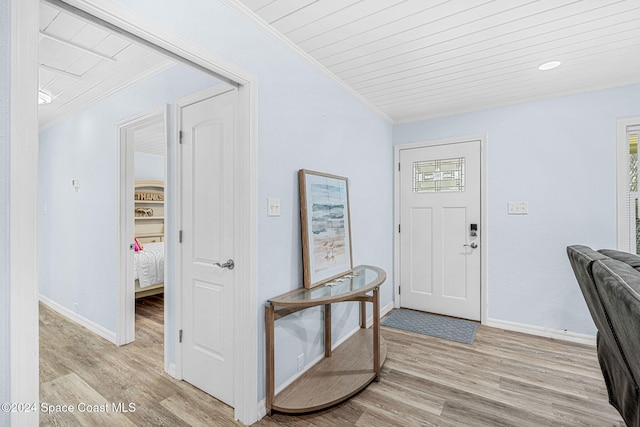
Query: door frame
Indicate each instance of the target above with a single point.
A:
(622, 180)
(216, 90)
(126, 306)
(484, 235)
(23, 140)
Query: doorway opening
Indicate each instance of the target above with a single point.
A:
(244, 306)
(142, 142)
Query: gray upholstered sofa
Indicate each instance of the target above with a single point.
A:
(610, 283)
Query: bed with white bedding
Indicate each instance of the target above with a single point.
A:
(148, 266)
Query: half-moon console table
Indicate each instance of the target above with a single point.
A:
(342, 373)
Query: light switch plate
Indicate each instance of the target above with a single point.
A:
(273, 206)
(517, 208)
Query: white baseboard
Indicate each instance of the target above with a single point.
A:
(171, 370)
(262, 409)
(542, 331)
(82, 321)
(386, 309)
(383, 312)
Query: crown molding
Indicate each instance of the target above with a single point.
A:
(282, 39)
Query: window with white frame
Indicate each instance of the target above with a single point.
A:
(628, 195)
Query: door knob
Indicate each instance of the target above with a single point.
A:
(229, 264)
(473, 245)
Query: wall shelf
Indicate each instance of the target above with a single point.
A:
(149, 228)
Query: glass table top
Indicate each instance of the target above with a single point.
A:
(361, 280)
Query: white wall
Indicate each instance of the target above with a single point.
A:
(4, 209)
(560, 156)
(148, 166)
(78, 230)
(305, 120)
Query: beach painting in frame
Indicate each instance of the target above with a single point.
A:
(326, 229)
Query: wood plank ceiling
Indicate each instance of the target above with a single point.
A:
(418, 59)
(81, 62)
(408, 59)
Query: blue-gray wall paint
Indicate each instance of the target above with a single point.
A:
(78, 230)
(560, 156)
(148, 166)
(557, 154)
(305, 120)
(5, 383)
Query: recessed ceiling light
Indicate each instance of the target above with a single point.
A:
(549, 65)
(43, 98)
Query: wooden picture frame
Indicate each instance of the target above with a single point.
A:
(326, 227)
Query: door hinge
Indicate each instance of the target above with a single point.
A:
(180, 336)
(399, 290)
(180, 136)
(398, 228)
(398, 166)
(180, 236)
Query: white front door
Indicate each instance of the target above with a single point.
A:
(440, 229)
(207, 157)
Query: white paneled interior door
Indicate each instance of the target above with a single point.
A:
(440, 240)
(207, 158)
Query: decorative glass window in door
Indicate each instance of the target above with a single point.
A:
(434, 176)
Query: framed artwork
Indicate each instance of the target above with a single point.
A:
(326, 227)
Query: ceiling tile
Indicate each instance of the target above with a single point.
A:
(65, 26)
(76, 78)
(47, 15)
(89, 36)
(84, 64)
(64, 57)
(46, 49)
(111, 45)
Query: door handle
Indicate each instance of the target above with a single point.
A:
(229, 264)
(472, 245)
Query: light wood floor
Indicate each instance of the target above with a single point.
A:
(503, 379)
(79, 367)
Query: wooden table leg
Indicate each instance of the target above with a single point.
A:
(269, 325)
(376, 333)
(327, 330)
(363, 314)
